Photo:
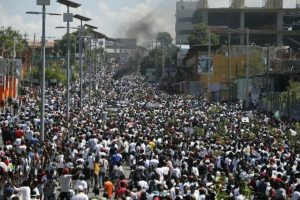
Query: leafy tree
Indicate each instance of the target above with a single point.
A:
(165, 54)
(7, 36)
(62, 45)
(199, 35)
(56, 72)
(164, 38)
(147, 62)
(158, 57)
(52, 72)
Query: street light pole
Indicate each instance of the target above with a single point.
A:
(32, 62)
(68, 17)
(209, 64)
(81, 28)
(43, 53)
(229, 65)
(14, 69)
(43, 74)
(68, 69)
(90, 70)
(80, 64)
(247, 69)
(95, 67)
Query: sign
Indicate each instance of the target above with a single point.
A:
(245, 119)
(68, 17)
(188, 130)
(204, 64)
(18, 68)
(277, 115)
(3, 66)
(53, 80)
(1, 79)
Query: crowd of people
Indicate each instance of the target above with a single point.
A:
(133, 141)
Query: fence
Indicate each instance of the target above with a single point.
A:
(288, 104)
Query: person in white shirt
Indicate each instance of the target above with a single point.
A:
(80, 195)
(296, 193)
(65, 183)
(24, 191)
(82, 182)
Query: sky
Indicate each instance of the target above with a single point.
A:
(112, 17)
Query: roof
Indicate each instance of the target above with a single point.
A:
(251, 9)
(204, 47)
(69, 3)
(99, 35)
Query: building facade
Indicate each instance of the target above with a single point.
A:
(268, 24)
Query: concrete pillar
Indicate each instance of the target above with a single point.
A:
(279, 3)
(274, 4)
(237, 4)
(279, 28)
(242, 27)
(204, 3)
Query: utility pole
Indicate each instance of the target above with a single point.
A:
(156, 70)
(163, 61)
(81, 40)
(80, 63)
(68, 67)
(90, 69)
(247, 70)
(43, 75)
(268, 75)
(209, 65)
(13, 68)
(95, 64)
(229, 65)
(32, 62)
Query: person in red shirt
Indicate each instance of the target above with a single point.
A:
(19, 133)
(121, 191)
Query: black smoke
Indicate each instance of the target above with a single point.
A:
(142, 29)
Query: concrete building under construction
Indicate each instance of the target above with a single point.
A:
(268, 23)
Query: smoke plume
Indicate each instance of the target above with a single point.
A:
(142, 29)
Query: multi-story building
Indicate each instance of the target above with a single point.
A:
(269, 23)
(121, 49)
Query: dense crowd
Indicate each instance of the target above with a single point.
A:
(133, 141)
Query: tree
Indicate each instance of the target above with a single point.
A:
(164, 38)
(7, 36)
(163, 56)
(52, 72)
(199, 35)
(62, 45)
(56, 72)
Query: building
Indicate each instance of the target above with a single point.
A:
(270, 23)
(120, 50)
(225, 73)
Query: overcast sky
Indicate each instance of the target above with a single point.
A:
(113, 17)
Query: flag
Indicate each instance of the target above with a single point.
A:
(277, 115)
